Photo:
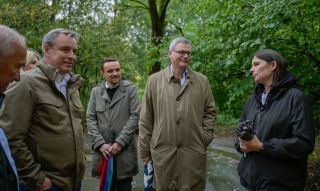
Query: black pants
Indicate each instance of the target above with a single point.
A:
(122, 185)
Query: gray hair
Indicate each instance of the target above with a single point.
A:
(178, 40)
(50, 38)
(8, 37)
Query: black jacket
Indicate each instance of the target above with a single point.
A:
(8, 178)
(285, 127)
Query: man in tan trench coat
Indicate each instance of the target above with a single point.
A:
(42, 116)
(176, 123)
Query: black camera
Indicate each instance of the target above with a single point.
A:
(245, 130)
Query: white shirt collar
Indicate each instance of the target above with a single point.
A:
(109, 86)
(184, 75)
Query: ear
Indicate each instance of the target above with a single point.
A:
(46, 49)
(274, 65)
(101, 72)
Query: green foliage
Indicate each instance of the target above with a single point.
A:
(225, 34)
(105, 31)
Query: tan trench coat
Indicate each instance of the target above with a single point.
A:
(45, 130)
(118, 116)
(176, 126)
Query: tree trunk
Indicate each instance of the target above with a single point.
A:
(158, 27)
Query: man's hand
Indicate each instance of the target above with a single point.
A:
(46, 185)
(146, 160)
(115, 148)
(105, 150)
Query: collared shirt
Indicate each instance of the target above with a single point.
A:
(264, 98)
(111, 90)
(184, 75)
(108, 86)
(61, 82)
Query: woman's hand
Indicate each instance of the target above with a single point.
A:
(252, 145)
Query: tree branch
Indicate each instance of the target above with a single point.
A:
(163, 8)
(133, 6)
(142, 5)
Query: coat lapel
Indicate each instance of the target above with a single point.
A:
(120, 93)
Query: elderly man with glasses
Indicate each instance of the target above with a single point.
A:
(176, 123)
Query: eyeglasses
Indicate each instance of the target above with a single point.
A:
(182, 53)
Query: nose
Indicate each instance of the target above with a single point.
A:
(251, 69)
(72, 54)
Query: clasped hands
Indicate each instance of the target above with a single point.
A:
(110, 149)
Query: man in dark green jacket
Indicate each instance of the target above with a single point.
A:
(12, 57)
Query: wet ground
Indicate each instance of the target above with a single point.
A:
(221, 173)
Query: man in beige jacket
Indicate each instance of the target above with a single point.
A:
(42, 116)
(176, 123)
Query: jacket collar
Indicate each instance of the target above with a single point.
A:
(51, 73)
(119, 94)
(169, 75)
(277, 90)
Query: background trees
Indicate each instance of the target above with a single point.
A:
(225, 34)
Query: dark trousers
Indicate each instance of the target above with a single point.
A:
(122, 185)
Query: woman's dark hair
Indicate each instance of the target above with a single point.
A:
(269, 55)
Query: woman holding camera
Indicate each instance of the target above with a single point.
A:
(276, 157)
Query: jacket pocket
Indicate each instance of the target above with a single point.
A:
(52, 112)
(50, 151)
(100, 106)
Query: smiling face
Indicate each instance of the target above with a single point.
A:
(262, 71)
(179, 56)
(111, 72)
(62, 55)
(10, 66)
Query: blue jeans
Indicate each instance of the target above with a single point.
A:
(53, 188)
